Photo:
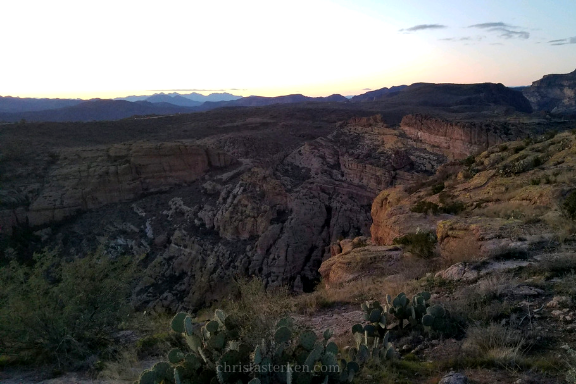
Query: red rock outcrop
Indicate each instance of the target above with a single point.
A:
(455, 139)
(90, 178)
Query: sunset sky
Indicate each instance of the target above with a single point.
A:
(85, 49)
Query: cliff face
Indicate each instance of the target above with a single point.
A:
(89, 178)
(456, 140)
(553, 93)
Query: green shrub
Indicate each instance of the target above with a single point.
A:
(569, 205)
(421, 244)
(537, 161)
(62, 312)
(425, 207)
(453, 208)
(550, 134)
(437, 188)
(469, 161)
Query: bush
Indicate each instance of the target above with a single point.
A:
(453, 208)
(569, 205)
(448, 207)
(257, 308)
(469, 161)
(62, 312)
(437, 188)
(421, 244)
(425, 207)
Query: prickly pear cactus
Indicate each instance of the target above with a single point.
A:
(213, 346)
(437, 319)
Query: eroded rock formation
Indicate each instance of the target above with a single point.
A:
(553, 93)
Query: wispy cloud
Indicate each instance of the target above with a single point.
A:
(464, 38)
(504, 30)
(509, 34)
(422, 27)
(569, 40)
(367, 89)
(497, 24)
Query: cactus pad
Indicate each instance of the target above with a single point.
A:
(283, 335)
(177, 323)
(307, 340)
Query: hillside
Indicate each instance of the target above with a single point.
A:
(553, 93)
(97, 110)
(16, 104)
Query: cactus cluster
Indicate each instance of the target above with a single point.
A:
(437, 319)
(317, 357)
(403, 308)
(370, 345)
(211, 345)
(215, 345)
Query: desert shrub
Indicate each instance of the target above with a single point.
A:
(569, 205)
(502, 344)
(437, 188)
(453, 208)
(420, 244)
(257, 308)
(519, 149)
(425, 207)
(62, 312)
(537, 161)
(535, 181)
(503, 147)
(550, 134)
(469, 161)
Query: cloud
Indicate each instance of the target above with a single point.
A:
(367, 89)
(504, 30)
(569, 40)
(464, 38)
(497, 24)
(422, 27)
(506, 33)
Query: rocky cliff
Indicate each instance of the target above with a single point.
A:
(89, 178)
(553, 93)
(457, 140)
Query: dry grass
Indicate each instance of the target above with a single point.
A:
(502, 344)
(495, 285)
(258, 309)
(400, 277)
(126, 368)
(465, 250)
(373, 288)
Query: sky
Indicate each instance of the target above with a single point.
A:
(88, 48)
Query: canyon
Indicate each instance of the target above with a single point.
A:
(273, 192)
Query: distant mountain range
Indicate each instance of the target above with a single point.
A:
(182, 98)
(98, 109)
(552, 93)
(10, 104)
